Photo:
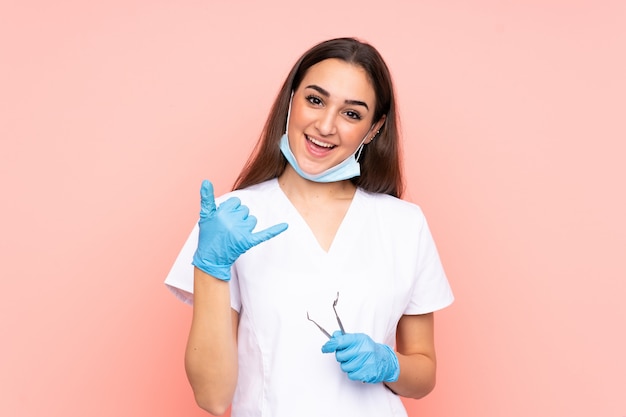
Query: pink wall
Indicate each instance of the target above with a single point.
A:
(111, 113)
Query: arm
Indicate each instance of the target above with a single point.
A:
(211, 354)
(415, 348)
(409, 372)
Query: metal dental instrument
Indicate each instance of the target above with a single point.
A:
(336, 315)
(318, 326)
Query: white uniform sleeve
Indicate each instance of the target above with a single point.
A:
(180, 278)
(432, 291)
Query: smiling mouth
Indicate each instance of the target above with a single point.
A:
(319, 143)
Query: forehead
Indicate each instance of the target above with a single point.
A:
(341, 79)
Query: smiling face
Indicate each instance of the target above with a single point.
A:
(331, 114)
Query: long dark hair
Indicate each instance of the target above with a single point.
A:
(381, 171)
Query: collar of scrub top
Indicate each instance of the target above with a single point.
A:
(336, 316)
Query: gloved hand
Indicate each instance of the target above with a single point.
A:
(226, 233)
(362, 358)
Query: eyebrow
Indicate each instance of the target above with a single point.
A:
(327, 94)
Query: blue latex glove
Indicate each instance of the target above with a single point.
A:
(226, 233)
(362, 358)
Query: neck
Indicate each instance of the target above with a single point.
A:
(293, 185)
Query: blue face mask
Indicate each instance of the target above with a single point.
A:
(345, 170)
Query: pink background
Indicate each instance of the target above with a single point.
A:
(111, 113)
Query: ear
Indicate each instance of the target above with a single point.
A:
(375, 130)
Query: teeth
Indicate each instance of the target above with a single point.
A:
(322, 144)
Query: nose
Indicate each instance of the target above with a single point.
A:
(326, 122)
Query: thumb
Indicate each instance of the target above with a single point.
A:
(334, 342)
(268, 233)
(330, 346)
(207, 199)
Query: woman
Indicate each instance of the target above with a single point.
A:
(324, 185)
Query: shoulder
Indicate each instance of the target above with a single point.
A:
(392, 207)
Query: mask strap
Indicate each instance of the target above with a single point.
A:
(288, 113)
(358, 152)
(362, 145)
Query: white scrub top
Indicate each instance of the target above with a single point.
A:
(383, 263)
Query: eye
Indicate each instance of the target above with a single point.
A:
(315, 100)
(353, 115)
